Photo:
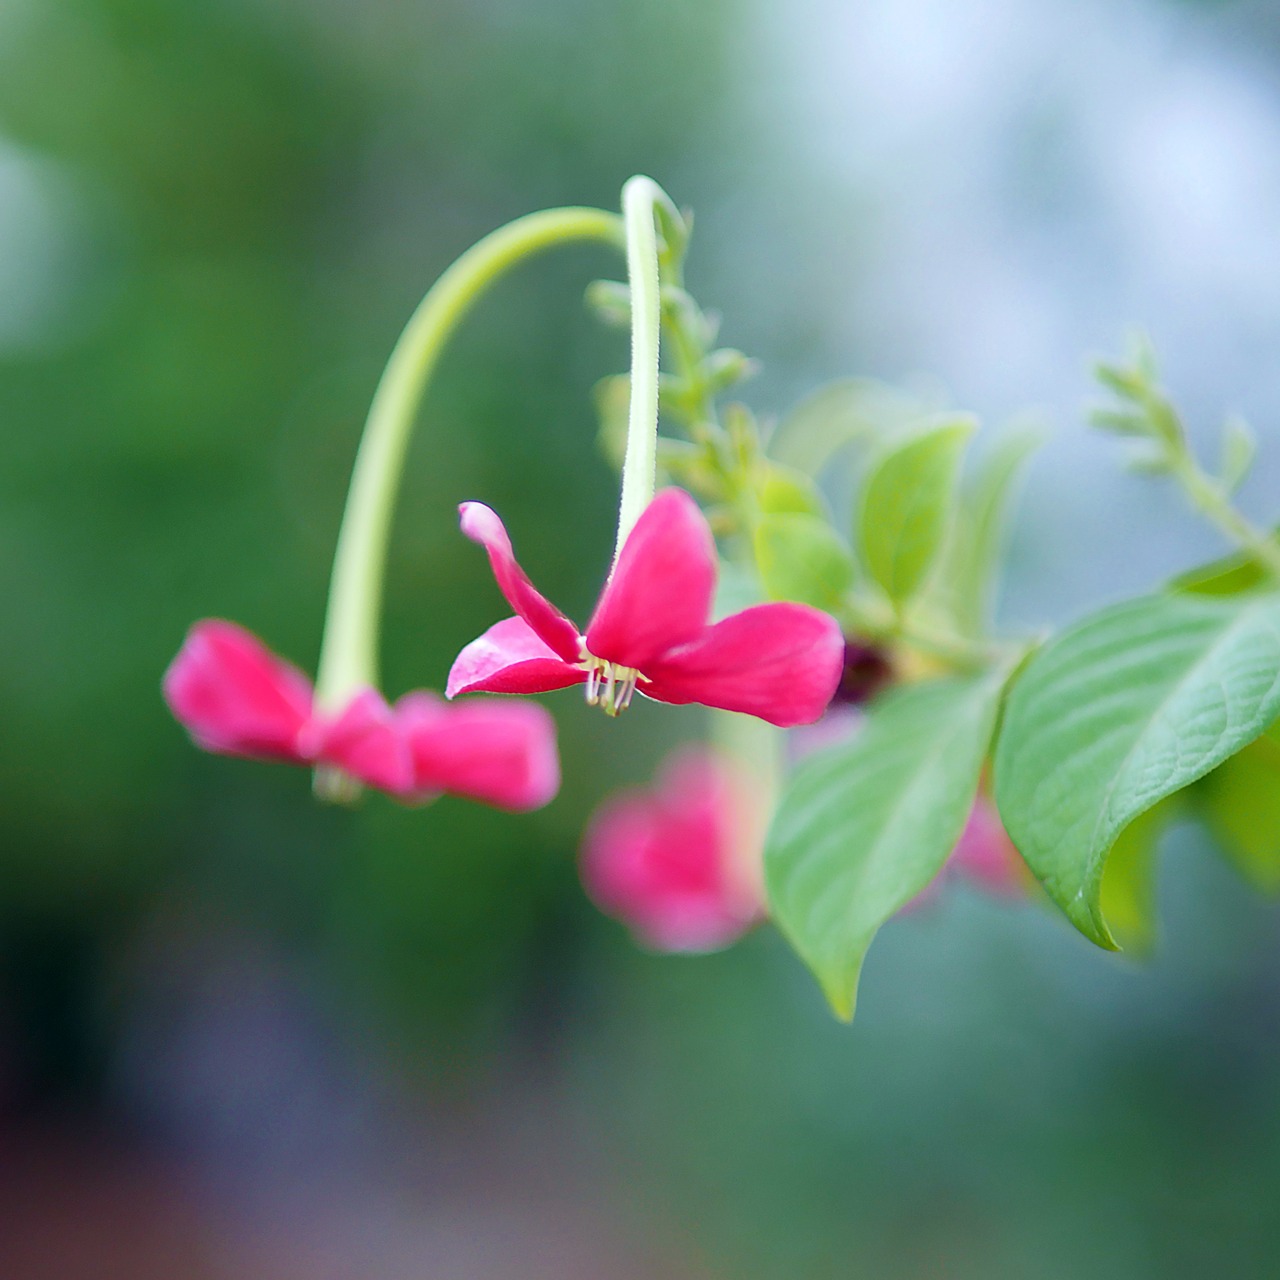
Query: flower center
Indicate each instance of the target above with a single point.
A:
(609, 685)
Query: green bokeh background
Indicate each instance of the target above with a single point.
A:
(254, 196)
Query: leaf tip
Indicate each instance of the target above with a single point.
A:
(1085, 913)
(841, 990)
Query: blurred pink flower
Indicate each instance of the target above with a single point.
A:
(985, 855)
(778, 661)
(235, 697)
(675, 862)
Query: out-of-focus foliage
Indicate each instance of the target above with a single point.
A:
(262, 192)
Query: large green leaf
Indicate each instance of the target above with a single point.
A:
(1240, 801)
(907, 505)
(1120, 711)
(800, 557)
(865, 825)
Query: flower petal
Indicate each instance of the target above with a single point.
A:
(780, 662)
(510, 658)
(667, 861)
(482, 525)
(367, 741)
(503, 753)
(660, 591)
(234, 696)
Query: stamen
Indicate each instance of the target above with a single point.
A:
(626, 691)
(608, 685)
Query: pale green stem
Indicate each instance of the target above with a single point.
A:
(348, 654)
(1212, 500)
(640, 200)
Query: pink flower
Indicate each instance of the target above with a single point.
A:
(650, 632)
(235, 697)
(675, 863)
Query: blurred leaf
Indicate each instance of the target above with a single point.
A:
(800, 557)
(836, 415)
(1124, 709)
(612, 396)
(784, 490)
(1226, 576)
(1240, 800)
(1128, 881)
(972, 556)
(908, 503)
(611, 302)
(864, 826)
(1239, 445)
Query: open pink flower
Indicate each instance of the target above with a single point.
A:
(650, 630)
(235, 697)
(675, 863)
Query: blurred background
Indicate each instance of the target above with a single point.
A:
(243, 1035)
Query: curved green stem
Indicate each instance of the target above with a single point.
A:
(348, 654)
(641, 200)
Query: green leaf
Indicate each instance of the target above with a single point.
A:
(865, 825)
(781, 490)
(1239, 445)
(801, 558)
(1125, 708)
(974, 550)
(1226, 576)
(908, 503)
(1240, 801)
(835, 416)
(1128, 881)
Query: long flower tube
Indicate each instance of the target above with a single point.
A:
(348, 655)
